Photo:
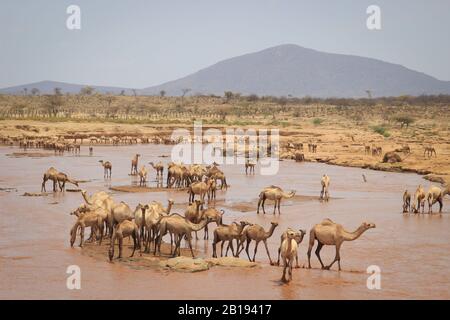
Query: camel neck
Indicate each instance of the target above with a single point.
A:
(270, 232)
(350, 236)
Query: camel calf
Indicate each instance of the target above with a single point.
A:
(324, 193)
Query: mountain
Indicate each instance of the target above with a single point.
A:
(282, 71)
(293, 70)
(47, 87)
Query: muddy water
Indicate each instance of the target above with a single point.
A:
(412, 251)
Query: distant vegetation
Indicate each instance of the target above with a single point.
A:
(380, 129)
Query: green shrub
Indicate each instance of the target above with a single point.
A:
(317, 121)
(381, 130)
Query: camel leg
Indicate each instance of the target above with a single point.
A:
(120, 246)
(230, 245)
(278, 259)
(336, 258)
(283, 277)
(319, 247)
(134, 244)
(279, 203)
(206, 235)
(268, 254)
(256, 249)
(441, 204)
(214, 250)
(221, 248)
(190, 246)
(82, 236)
(296, 261)
(259, 202)
(275, 206)
(246, 249)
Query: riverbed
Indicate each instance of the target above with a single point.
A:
(412, 251)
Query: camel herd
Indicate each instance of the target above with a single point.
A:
(432, 196)
(148, 224)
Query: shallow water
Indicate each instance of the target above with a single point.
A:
(412, 251)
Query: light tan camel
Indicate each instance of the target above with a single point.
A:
(223, 180)
(273, 193)
(151, 215)
(288, 252)
(159, 167)
(419, 200)
(406, 201)
(212, 190)
(298, 236)
(89, 219)
(258, 234)
(180, 227)
(249, 167)
(124, 229)
(332, 234)
(62, 178)
(84, 208)
(134, 164)
(324, 193)
(192, 213)
(142, 176)
(436, 194)
(107, 168)
(214, 215)
(200, 188)
(228, 233)
(50, 174)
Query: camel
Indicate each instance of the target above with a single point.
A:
(62, 178)
(406, 201)
(212, 190)
(124, 229)
(201, 188)
(223, 180)
(258, 234)
(107, 167)
(329, 233)
(273, 193)
(298, 236)
(419, 200)
(228, 233)
(50, 174)
(324, 193)
(84, 208)
(142, 176)
(214, 215)
(134, 164)
(159, 167)
(192, 213)
(89, 219)
(148, 217)
(436, 194)
(103, 200)
(288, 252)
(249, 166)
(180, 227)
(174, 175)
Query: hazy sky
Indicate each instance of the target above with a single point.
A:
(139, 43)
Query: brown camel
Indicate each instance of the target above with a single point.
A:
(429, 151)
(258, 234)
(107, 168)
(298, 236)
(288, 252)
(273, 193)
(332, 234)
(50, 174)
(62, 178)
(134, 164)
(324, 193)
(214, 215)
(228, 233)
(180, 227)
(434, 195)
(406, 201)
(159, 167)
(89, 219)
(201, 188)
(192, 213)
(124, 229)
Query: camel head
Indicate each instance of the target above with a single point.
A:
(290, 234)
(368, 225)
(198, 203)
(274, 223)
(245, 223)
(171, 202)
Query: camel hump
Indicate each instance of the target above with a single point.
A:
(327, 222)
